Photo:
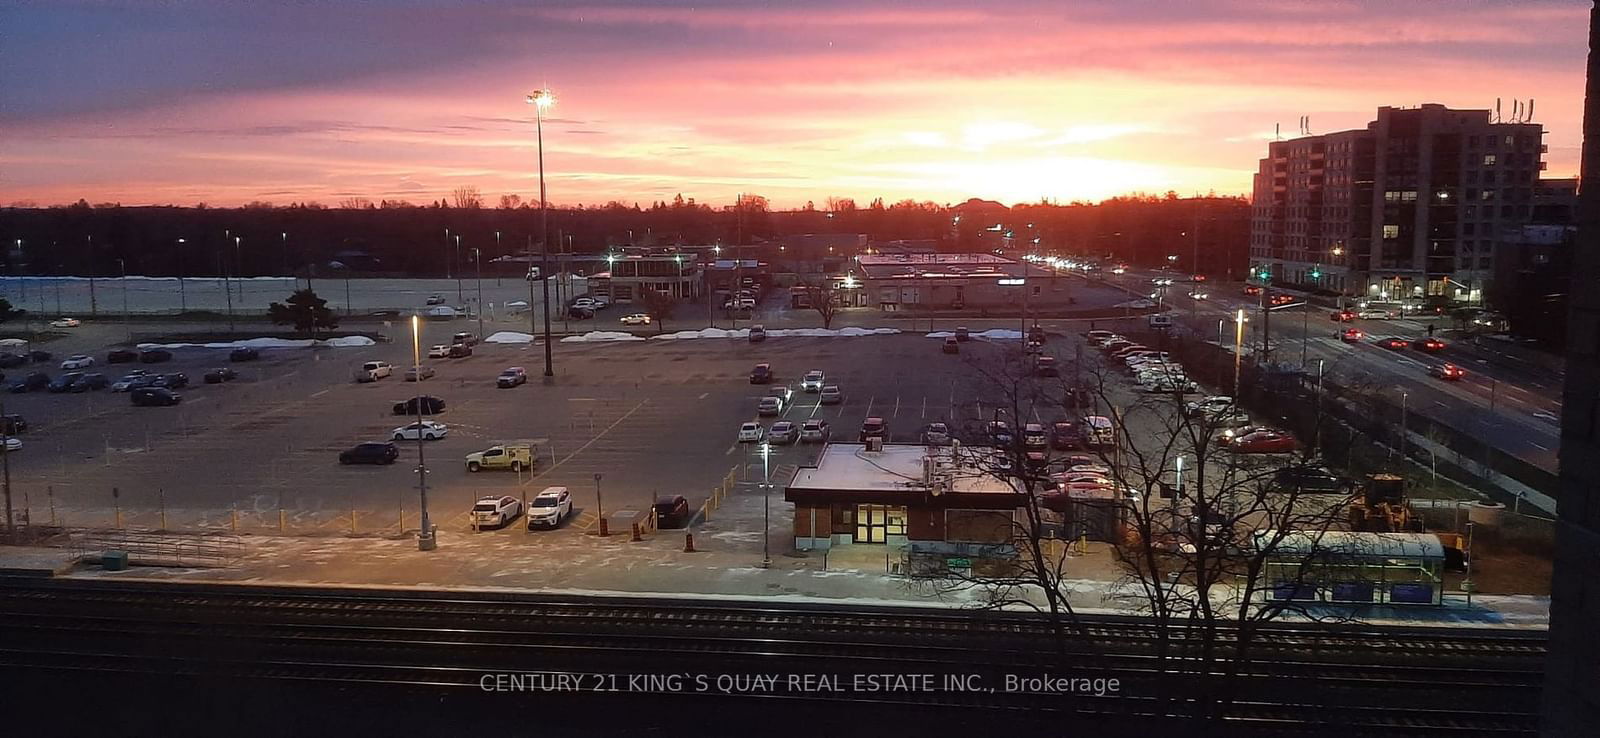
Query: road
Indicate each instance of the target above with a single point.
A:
(1516, 408)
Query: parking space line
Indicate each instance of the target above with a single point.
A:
(704, 395)
(896, 407)
(319, 393)
(869, 405)
(597, 437)
(924, 407)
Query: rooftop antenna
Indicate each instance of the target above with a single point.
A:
(1308, 125)
(1530, 109)
(1276, 135)
(1497, 110)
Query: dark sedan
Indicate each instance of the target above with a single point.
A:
(672, 511)
(371, 452)
(220, 375)
(244, 353)
(122, 356)
(64, 382)
(90, 381)
(154, 356)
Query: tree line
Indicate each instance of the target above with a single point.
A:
(435, 238)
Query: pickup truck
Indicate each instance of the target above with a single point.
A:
(513, 457)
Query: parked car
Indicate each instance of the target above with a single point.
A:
(1098, 431)
(672, 511)
(429, 406)
(751, 432)
(460, 351)
(13, 424)
(219, 375)
(35, 381)
(1448, 372)
(244, 353)
(962, 334)
(782, 393)
(419, 373)
(439, 351)
(812, 381)
(466, 337)
(1393, 343)
(1430, 345)
(830, 395)
(783, 431)
(64, 382)
(373, 371)
(511, 377)
(1352, 335)
(815, 430)
(65, 323)
(495, 511)
(758, 334)
(429, 431)
(1374, 314)
(174, 380)
(124, 356)
(1309, 478)
(1097, 337)
(155, 396)
(580, 313)
(551, 506)
(132, 381)
(39, 355)
(1033, 436)
(370, 452)
(1045, 366)
(636, 319)
(999, 432)
(874, 428)
(435, 299)
(951, 346)
(936, 434)
(77, 361)
(1269, 441)
(1065, 435)
(90, 381)
(769, 406)
(1342, 316)
(154, 356)
(762, 374)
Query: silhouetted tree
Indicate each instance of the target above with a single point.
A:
(659, 306)
(305, 311)
(7, 312)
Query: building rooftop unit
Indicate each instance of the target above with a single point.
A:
(897, 469)
(933, 266)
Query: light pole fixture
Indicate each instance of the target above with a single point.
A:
(1238, 348)
(541, 100)
(425, 537)
(477, 260)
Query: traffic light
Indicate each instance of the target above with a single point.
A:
(1316, 273)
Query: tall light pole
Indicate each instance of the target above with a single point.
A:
(94, 304)
(227, 289)
(460, 296)
(766, 507)
(498, 253)
(447, 253)
(183, 298)
(425, 537)
(540, 100)
(477, 259)
(1238, 349)
(123, 266)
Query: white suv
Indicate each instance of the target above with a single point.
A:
(77, 361)
(812, 381)
(496, 511)
(552, 506)
(373, 371)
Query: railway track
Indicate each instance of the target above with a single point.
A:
(1300, 678)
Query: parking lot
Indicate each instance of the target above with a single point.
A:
(653, 417)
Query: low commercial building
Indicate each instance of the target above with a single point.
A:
(971, 282)
(627, 277)
(922, 503)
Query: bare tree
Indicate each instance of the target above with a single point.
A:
(659, 306)
(355, 203)
(510, 202)
(824, 299)
(466, 196)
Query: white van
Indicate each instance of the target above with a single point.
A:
(1097, 431)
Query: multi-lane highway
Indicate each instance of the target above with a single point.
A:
(1514, 405)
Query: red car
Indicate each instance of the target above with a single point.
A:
(1448, 372)
(1251, 289)
(1352, 335)
(1281, 299)
(1342, 316)
(1065, 436)
(1431, 345)
(1264, 442)
(1396, 344)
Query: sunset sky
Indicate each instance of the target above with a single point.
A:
(227, 101)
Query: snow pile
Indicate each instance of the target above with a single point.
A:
(1001, 333)
(780, 333)
(509, 337)
(260, 343)
(1136, 304)
(601, 337)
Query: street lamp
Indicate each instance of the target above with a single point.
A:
(123, 266)
(183, 298)
(1238, 348)
(766, 510)
(541, 100)
(477, 259)
(425, 536)
(460, 298)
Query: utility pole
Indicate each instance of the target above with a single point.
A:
(425, 538)
(460, 296)
(94, 305)
(477, 259)
(600, 506)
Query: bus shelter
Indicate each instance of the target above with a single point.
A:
(1350, 567)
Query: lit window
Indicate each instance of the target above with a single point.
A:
(1391, 231)
(1488, 160)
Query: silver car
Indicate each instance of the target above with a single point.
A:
(783, 431)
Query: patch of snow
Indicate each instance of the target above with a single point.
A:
(849, 332)
(509, 337)
(1140, 303)
(339, 342)
(601, 337)
(993, 333)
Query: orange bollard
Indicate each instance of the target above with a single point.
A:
(688, 543)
